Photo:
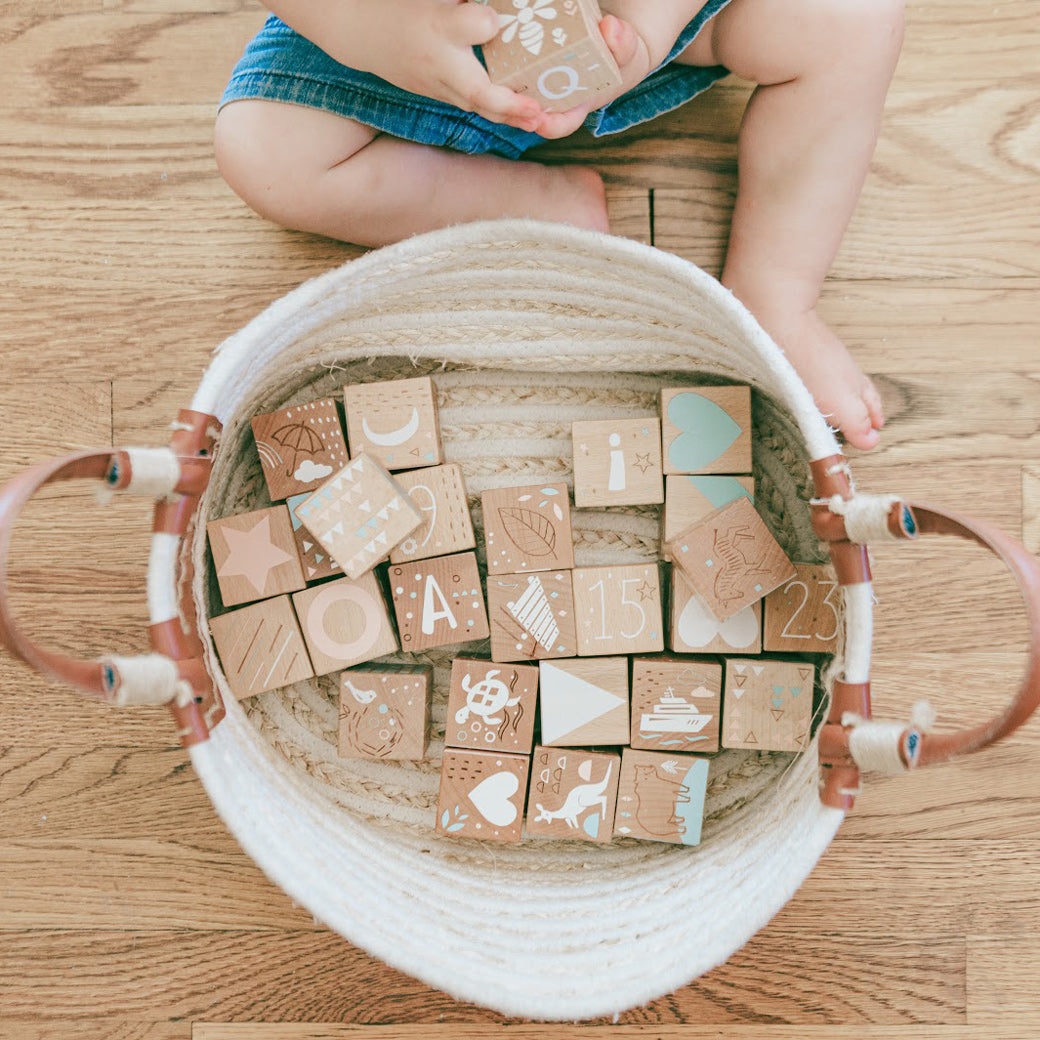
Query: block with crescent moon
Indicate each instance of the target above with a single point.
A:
(395, 422)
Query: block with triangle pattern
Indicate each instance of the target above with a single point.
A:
(584, 701)
(358, 515)
(314, 557)
(767, 704)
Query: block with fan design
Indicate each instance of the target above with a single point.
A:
(528, 529)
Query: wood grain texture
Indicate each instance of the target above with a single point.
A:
(332, 1031)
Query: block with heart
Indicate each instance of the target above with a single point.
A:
(314, 557)
(617, 462)
(802, 614)
(260, 647)
(689, 498)
(661, 797)
(344, 623)
(528, 529)
(395, 422)
(482, 795)
(706, 429)
(573, 794)
(768, 704)
(439, 493)
(438, 602)
(531, 616)
(694, 629)
(491, 706)
(618, 609)
(553, 51)
(359, 515)
(584, 701)
(299, 447)
(676, 704)
(731, 558)
(384, 711)
(254, 555)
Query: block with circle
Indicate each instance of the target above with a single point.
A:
(661, 796)
(439, 493)
(584, 701)
(689, 497)
(803, 613)
(491, 706)
(617, 462)
(573, 794)
(676, 704)
(768, 704)
(531, 616)
(694, 629)
(706, 429)
(528, 529)
(618, 609)
(384, 711)
(482, 794)
(395, 422)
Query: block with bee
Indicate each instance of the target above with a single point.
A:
(553, 51)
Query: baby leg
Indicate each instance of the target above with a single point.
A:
(311, 170)
(823, 69)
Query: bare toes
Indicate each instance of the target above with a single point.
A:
(875, 409)
(620, 37)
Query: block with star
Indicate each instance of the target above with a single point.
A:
(617, 462)
(768, 704)
(706, 429)
(359, 515)
(731, 558)
(254, 555)
(395, 422)
(618, 609)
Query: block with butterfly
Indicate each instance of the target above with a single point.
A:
(768, 704)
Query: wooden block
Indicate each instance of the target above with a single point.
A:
(254, 555)
(359, 515)
(617, 462)
(260, 647)
(395, 422)
(584, 701)
(676, 704)
(573, 794)
(706, 429)
(344, 623)
(439, 493)
(482, 795)
(528, 529)
(438, 602)
(531, 616)
(618, 609)
(691, 497)
(768, 704)
(491, 706)
(552, 51)
(384, 711)
(661, 797)
(694, 629)
(731, 559)
(299, 447)
(314, 557)
(802, 614)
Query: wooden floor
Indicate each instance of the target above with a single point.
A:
(127, 911)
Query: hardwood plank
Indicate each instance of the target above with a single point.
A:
(629, 212)
(1003, 979)
(95, 1029)
(538, 1031)
(1031, 508)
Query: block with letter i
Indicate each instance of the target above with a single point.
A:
(618, 609)
(676, 704)
(439, 493)
(617, 462)
(395, 422)
(491, 706)
(661, 797)
(803, 613)
(482, 795)
(553, 51)
(384, 711)
(573, 794)
(706, 429)
(768, 704)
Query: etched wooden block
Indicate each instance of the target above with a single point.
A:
(731, 559)
(553, 51)
(531, 616)
(482, 794)
(768, 704)
(706, 429)
(359, 515)
(573, 794)
(617, 462)
(300, 446)
(384, 711)
(676, 704)
(260, 647)
(689, 498)
(438, 601)
(802, 614)
(314, 557)
(584, 701)
(395, 422)
(439, 493)
(491, 706)
(254, 555)
(661, 797)
(618, 609)
(528, 529)
(694, 629)
(344, 622)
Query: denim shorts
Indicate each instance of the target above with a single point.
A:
(280, 65)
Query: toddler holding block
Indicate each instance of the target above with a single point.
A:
(372, 120)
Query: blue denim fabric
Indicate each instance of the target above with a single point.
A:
(280, 65)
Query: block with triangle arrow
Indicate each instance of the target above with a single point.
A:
(584, 701)
(767, 704)
(358, 515)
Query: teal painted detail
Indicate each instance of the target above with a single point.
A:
(720, 491)
(691, 813)
(708, 431)
(292, 503)
(590, 825)
(795, 690)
